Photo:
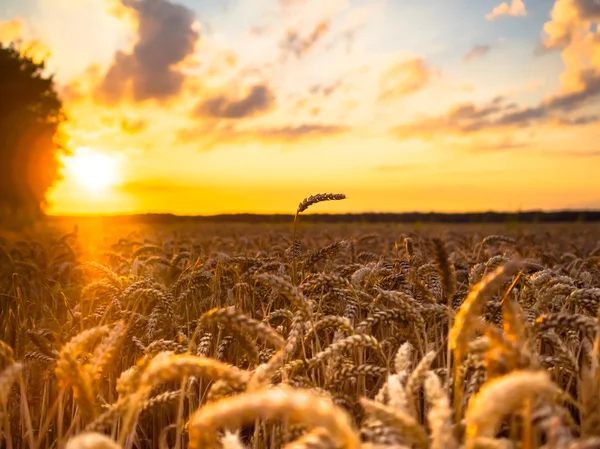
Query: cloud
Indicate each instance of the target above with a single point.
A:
(515, 8)
(504, 144)
(403, 78)
(326, 90)
(589, 79)
(572, 153)
(209, 137)
(296, 133)
(166, 36)
(347, 28)
(258, 100)
(223, 63)
(478, 51)
(581, 120)
(467, 118)
(588, 9)
(570, 22)
(133, 126)
(463, 118)
(79, 87)
(299, 46)
(573, 29)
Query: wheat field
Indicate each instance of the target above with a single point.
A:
(301, 336)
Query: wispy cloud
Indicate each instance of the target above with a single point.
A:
(327, 89)
(258, 100)
(478, 51)
(208, 137)
(294, 43)
(468, 118)
(502, 145)
(295, 133)
(403, 78)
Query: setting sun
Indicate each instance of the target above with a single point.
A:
(91, 169)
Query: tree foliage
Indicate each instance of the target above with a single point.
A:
(30, 117)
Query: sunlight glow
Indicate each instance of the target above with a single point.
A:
(92, 170)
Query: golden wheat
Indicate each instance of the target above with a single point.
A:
(241, 336)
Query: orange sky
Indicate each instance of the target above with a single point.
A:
(216, 107)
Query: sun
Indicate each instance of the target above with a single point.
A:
(92, 170)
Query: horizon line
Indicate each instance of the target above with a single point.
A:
(332, 214)
(531, 215)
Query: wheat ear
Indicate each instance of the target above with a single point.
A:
(91, 440)
(305, 204)
(439, 415)
(502, 396)
(299, 406)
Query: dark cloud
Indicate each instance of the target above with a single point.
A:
(521, 118)
(582, 120)
(468, 118)
(590, 78)
(478, 51)
(298, 45)
(588, 9)
(165, 37)
(404, 78)
(259, 100)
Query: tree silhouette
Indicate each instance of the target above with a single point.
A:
(30, 116)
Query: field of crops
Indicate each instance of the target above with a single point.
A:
(351, 336)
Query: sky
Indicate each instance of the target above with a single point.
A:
(226, 106)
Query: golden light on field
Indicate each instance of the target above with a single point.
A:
(91, 169)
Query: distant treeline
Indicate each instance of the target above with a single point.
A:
(412, 217)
